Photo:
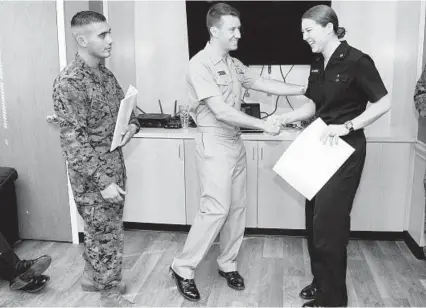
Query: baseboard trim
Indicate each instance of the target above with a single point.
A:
(268, 231)
(413, 246)
(81, 237)
(155, 227)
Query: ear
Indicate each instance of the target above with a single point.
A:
(82, 41)
(329, 27)
(214, 31)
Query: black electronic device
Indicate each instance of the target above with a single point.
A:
(270, 31)
(251, 109)
(174, 121)
(153, 119)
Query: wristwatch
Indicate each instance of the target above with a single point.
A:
(349, 126)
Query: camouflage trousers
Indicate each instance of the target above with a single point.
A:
(103, 237)
(424, 185)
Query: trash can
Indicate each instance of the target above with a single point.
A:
(8, 206)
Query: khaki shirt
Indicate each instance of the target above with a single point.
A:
(210, 75)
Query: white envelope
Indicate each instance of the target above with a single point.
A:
(307, 164)
(127, 105)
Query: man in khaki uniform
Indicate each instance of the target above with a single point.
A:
(215, 81)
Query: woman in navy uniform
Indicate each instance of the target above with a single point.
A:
(342, 81)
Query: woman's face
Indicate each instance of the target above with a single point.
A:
(315, 35)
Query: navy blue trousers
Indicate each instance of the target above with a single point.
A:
(328, 226)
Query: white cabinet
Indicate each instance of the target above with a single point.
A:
(379, 203)
(193, 186)
(381, 198)
(252, 158)
(192, 182)
(155, 181)
(416, 217)
(163, 186)
(279, 205)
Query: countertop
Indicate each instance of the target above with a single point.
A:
(286, 135)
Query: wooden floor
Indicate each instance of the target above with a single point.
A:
(275, 268)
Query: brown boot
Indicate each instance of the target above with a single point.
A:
(88, 284)
(113, 298)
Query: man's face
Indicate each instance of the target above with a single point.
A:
(228, 32)
(315, 34)
(98, 40)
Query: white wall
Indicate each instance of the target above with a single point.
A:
(121, 18)
(374, 34)
(161, 53)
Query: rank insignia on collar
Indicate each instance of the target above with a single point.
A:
(314, 71)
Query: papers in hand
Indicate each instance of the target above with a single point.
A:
(307, 164)
(127, 105)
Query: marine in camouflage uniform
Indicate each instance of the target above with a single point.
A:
(87, 105)
(420, 104)
(420, 94)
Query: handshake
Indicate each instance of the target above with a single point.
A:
(273, 125)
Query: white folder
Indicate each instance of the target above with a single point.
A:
(127, 105)
(307, 164)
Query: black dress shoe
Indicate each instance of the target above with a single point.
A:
(234, 279)
(28, 269)
(32, 285)
(308, 292)
(36, 284)
(186, 287)
(312, 303)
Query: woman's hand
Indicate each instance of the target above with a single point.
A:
(284, 119)
(332, 133)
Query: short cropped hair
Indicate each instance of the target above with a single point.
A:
(84, 18)
(217, 11)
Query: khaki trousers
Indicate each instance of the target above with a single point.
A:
(222, 170)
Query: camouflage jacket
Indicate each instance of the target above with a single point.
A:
(87, 106)
(420, 94)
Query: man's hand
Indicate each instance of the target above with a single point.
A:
(332, 132)
(272, 125)
(284, 120)
(112, 193)
(128, 133)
